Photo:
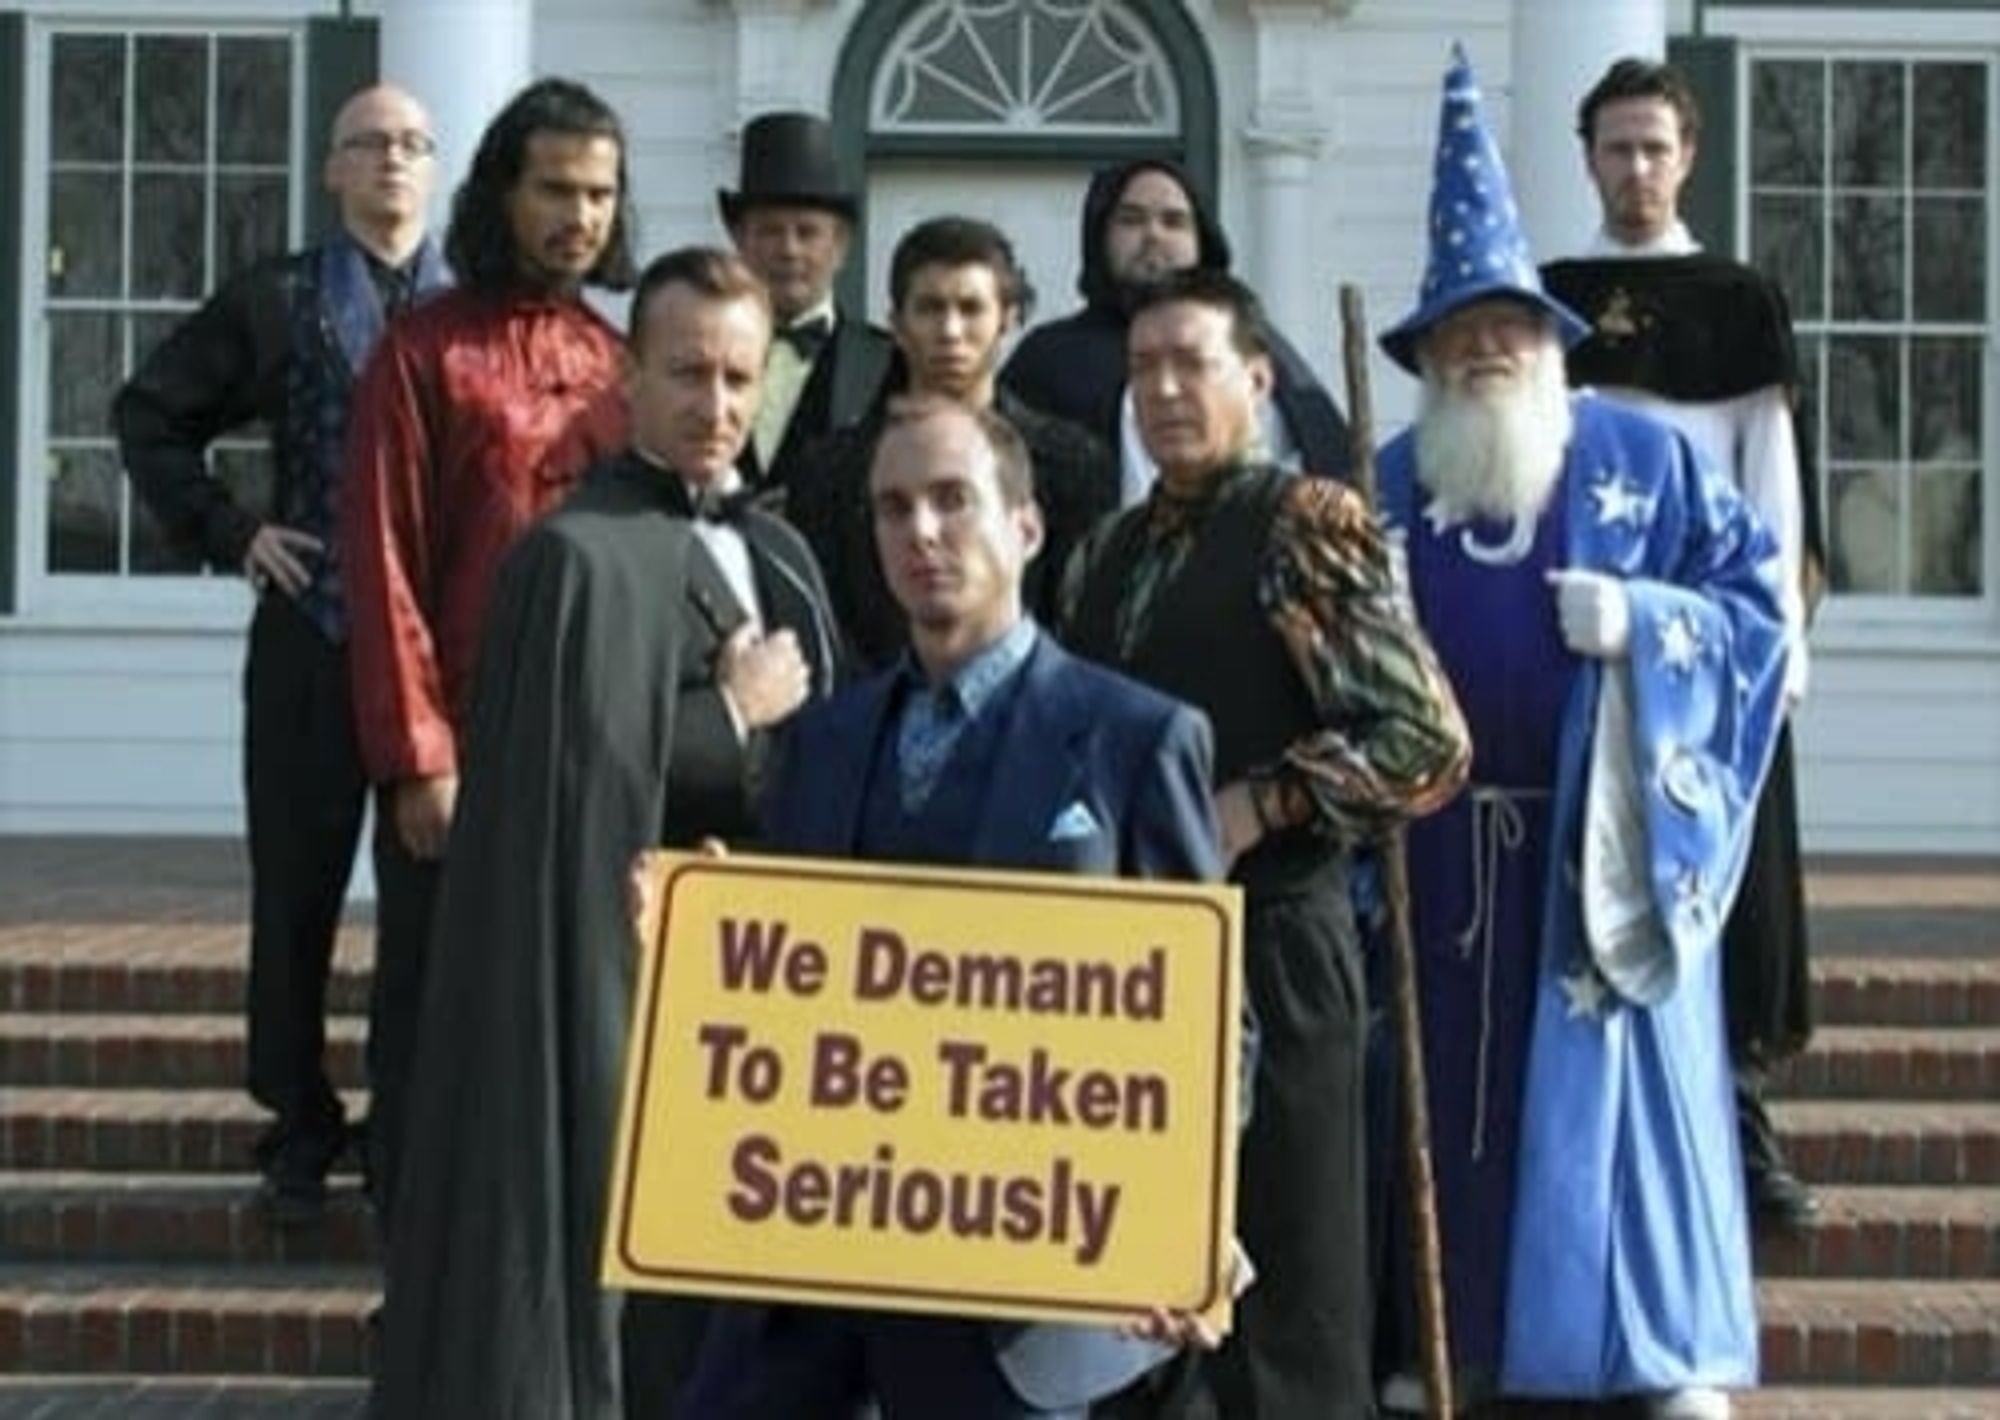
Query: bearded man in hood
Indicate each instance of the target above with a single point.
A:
(1142, 221)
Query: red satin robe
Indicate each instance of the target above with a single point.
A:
(477, 413)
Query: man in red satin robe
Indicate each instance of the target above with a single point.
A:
(474, 416)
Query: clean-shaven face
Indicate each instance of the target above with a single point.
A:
(949, 327)
(1196, 394)
(382, 164)
(696, 369)
(796, 251)
(951, 546)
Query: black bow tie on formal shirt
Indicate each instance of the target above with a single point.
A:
(807, 336)
(712, 505)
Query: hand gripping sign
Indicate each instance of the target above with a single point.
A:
(968, 1092)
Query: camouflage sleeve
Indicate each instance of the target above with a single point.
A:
(1391, 742)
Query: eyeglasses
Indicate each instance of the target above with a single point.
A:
(376, 143)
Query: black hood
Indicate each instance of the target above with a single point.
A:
(1094, 280)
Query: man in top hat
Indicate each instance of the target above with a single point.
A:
(1607, 608)
(1705, 342)
(792, 220)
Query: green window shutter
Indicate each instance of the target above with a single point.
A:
(13, 178)
(1708, 202)
(341, 58)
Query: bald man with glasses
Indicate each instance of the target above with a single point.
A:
(281, 345)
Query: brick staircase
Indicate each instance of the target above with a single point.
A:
(138, 1279)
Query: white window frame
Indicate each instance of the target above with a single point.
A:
(1023, 120)
(1862, 620)
(84, 600)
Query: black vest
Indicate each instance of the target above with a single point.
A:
(1210, 642)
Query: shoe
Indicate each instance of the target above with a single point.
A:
(1780, 1199)
(293, 1190)
(1690, 1403)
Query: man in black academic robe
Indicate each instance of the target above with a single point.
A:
(1705, 343)
(643, 643)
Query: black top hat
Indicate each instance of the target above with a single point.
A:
(788, 161)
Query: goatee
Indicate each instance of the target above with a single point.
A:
(1496, 452)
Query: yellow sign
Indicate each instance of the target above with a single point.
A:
(977, 1093)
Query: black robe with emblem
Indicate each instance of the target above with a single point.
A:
(597, 732)
(1693, 330)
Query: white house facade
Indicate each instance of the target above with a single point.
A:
(150, 147)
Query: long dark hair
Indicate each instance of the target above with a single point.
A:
(480, 242)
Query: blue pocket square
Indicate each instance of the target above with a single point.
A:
(1076, 821)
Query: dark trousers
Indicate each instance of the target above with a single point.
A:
(306, 794)
(1304, 1330)
(405, 897)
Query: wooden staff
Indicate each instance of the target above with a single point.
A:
(1426, 1261)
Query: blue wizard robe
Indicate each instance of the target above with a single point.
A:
(1567, 915)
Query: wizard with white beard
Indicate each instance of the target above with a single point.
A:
(1607, 610)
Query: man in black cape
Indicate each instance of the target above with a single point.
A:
(1705, 343)
(1141, 221)
(643, 641)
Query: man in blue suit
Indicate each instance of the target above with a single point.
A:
(987, 744)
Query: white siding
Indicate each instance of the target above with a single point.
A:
(108, 731)
(1900, 752)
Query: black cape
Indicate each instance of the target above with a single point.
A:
(1697, 329)
(493, 1309)
(1074, 368)
(1693, 329)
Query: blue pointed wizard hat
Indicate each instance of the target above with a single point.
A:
(1477, 247)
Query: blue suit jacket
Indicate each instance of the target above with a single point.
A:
(1078, 733)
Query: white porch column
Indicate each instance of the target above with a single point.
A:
(773, 70)
(462, 59)
(1560, 48)
(1283, 140)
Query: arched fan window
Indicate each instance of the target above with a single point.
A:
(1052, 67)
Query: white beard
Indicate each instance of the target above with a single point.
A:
(1497, 453)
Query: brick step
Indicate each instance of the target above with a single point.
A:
(149, 1131)
(1879, 1142)
(182, 1398)
(97, 966)
(1834, 1403)
(101, 1321)
(151, 1049)
(1891, 1232)
(1895, 1062)
(1906, 991)
(1870, 1333)
(176, 1218)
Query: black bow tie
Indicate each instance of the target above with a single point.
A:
(807, 336)
(712, 505)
